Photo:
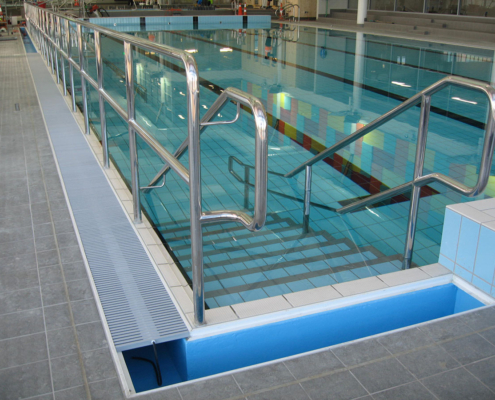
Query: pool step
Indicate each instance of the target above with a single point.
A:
(281, 258)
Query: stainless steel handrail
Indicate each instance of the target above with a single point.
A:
(419, 180)
(293, 7)
(48, 33)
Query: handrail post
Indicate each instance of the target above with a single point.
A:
(246, 187)
(195, 190)
(50, 45)
(418, 172)
(71, 67)
(55, 33)
(129, 82)
(62, 60)
(83, 80)
(103, 119)
(307, 197)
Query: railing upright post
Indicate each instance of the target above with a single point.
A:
(83, 80)
(71, 67)
(57, 41)
(50, 45)
(246, 187)
(195, 190)
(62, 61)
(103, 118)
(418, 172)
(307, 197)
(129, 81)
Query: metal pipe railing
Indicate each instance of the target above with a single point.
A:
(420, 180)
(51, 42)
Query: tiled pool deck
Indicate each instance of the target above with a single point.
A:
(53, 343)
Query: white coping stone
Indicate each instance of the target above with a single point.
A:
(157, 254)
(147, 237)
(183, 298)
(490, 212)
(168, 274)
(262, 306)
(471, 213)
(311, 296)
(490, 225)
(435, 270)
(359, 286)
(220, 314)
(483, 204)
(403, 277)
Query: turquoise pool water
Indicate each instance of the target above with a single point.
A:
(184, 360)
(317, 86)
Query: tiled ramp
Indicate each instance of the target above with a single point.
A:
(137, 307)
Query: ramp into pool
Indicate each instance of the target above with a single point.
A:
(135, 302)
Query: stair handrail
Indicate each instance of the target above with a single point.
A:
(45, 28)
(419, 180)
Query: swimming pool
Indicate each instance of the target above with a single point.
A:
(316, 91)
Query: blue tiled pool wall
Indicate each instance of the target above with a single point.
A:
(238, 270)
(184, 360)
(467, 244)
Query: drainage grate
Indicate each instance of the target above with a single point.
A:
(137, 307)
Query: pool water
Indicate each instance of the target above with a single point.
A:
(184, 360)
(317, 86)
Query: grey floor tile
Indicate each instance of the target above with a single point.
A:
(47, 258)
(61, 342)
(410, 391)
(67, 239)
(45, 243)
(292, 392)
(74, 393)
(469, 349)
(446, 329)
(20, 300)
(25, 381)
(382, 375)
(360, 352)
(211, 389)
(70, 254)
(42, 230)
(51, 275)
(91, 336)
(21, 323)
(63, 226)
(25, 260)
(22, 277)
(404, 340)
(480, 319)
(108, 389)
(458, 384)
(75, 271)
(53, 294)
(23, 350)
(427, 362)
(57, 316)
(167, 394)
(66, 372)
(484, 371)
(98, 364)
(85, 311)
(313, 364)
(15, 249)
(338, 386)
(263, 377)
(489, 335)
(80, 290)
(15, 233)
